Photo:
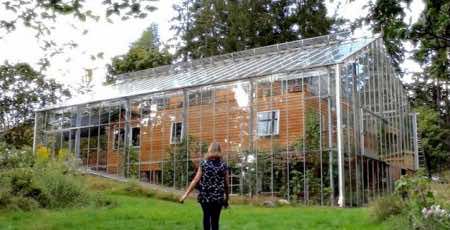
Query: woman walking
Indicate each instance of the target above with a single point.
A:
(212, 177)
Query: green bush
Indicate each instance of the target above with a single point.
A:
(62, 190)
(5, 194)
(48, 187)
(433, 217)
(18, 190)
(31, 184)
(416, 189)
(21, 182)
(10, 157)
(385, 207)
(22, 203)
(413, 204)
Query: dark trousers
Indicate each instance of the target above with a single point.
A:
(211, 215)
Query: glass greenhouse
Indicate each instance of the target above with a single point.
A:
(318, 121)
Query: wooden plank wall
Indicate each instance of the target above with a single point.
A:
(222, 118)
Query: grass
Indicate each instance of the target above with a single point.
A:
(441, 190)
(142, 212)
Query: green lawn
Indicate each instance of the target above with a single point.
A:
(134, 212)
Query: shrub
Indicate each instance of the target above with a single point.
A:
(42, 153)
(5, 195)
(19, 190)
(44, 183)
(414, 204)
(63, 154)
(62, 190)
(434, 217)
(10, 157)
(385, 207)
(22, 203)
(415, 189)
(48, 187)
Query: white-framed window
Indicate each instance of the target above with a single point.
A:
(176, 132)
(268, 123)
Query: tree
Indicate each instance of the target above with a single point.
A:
(434, 136)
(143, 54)
(387, 17)
(431, 34)
(86, 86)
(211, 27)
(41, 16)
(23, 90)
(430, 89)
(38, 14)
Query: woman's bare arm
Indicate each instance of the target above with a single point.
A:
(194, 182)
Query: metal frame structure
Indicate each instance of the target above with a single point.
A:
(345, 128)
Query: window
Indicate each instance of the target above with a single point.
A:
(135, 111)
(176, 133)
(264, 89)
(268, 123)
(294, 85)
(135, 136)
(161, 102)
(119, 135)
(202, 97)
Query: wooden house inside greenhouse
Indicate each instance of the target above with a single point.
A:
(323, 120)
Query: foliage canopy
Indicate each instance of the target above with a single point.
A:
(23, 90)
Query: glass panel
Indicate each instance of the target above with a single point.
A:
(267, 90)
(169, 121)
(85, 116)
(84, 146)
(93, 148)
(103, 148)
(104, 114)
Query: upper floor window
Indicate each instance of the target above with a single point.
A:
(268, 123)
(176, 133)
(202, 97)
(161, 102)
(294, 85)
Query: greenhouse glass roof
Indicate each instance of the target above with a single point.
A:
(279, 58)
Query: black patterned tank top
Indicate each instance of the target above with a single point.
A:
(212, 183)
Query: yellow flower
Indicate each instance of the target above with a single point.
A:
(62, 154)
(42, 153)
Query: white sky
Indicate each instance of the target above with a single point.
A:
(114, 39)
